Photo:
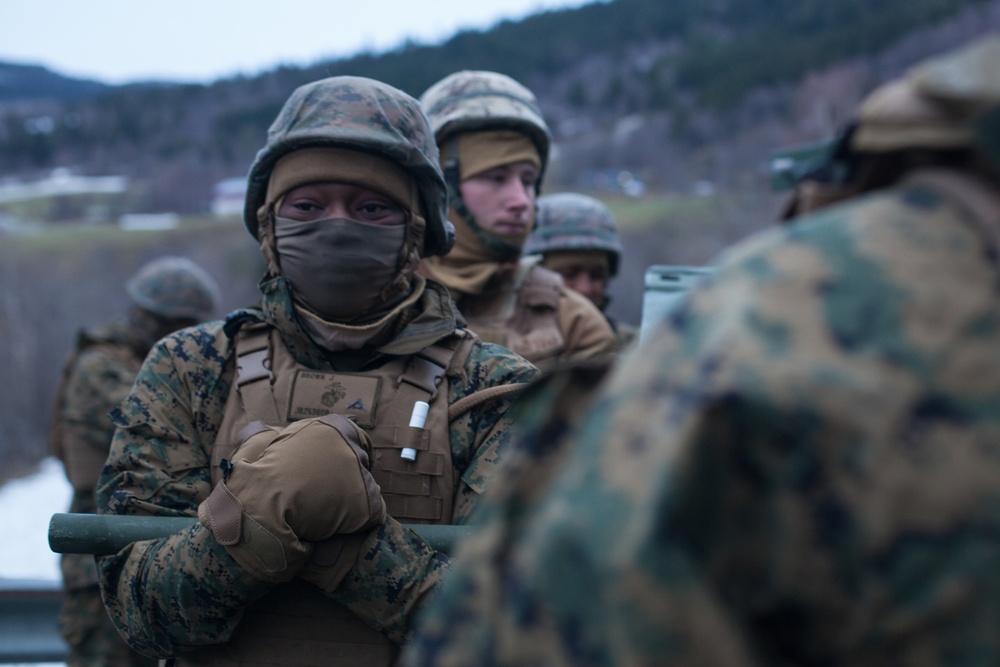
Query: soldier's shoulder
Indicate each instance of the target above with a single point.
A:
(495, 362)
(910, 201)
(195, 345)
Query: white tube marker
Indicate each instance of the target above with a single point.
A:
(417, 420)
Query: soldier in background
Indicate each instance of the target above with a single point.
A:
(305, 431)
(576, 236)
(167, 294)
(494, 147)
(801, 465)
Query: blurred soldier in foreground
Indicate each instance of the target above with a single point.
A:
(167, 294)
(802, 465)
(302, 432)
(576, 236)
(494, 148)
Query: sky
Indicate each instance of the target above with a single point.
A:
(199, 41)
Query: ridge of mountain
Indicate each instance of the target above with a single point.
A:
(680, 93)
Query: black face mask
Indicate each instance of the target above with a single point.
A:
(339, 268)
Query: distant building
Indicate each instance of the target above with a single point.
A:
(228, 196)
(612, 180)
(149, 221)
(61, 182)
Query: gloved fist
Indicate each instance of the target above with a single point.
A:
(305, 483)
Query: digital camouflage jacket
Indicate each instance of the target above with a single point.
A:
(96, 377)
(800, 467)
(186, 591)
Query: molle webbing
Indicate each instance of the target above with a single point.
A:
(417, 490)
(252, 366)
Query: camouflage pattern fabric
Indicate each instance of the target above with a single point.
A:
(474, 100)
(174, 288)
(800, 466)
(97, 377)
(192, 592)
(90, 634)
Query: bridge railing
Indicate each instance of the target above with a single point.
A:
(29, 611)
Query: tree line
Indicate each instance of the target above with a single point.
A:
(684, 58)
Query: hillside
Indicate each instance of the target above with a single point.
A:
(32, 82)
(680, 93)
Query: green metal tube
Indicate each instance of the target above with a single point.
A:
(109, 533)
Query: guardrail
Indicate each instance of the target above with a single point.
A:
(29, 610)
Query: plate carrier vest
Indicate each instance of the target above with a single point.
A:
(295, 623)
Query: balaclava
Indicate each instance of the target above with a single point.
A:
(342, 270)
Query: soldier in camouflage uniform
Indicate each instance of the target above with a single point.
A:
(576, 236)
(801, 466)
(293, 429)
(167, 294)
(494, 149)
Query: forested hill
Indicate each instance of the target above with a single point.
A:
(679, 91)
(28, 82)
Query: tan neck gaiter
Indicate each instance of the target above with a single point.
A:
(337, 336)
(468, 267)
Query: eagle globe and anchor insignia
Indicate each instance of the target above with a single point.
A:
(334, 393)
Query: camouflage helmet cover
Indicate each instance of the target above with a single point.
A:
(365, 115)
(473, 100)
(936, 105)
(174, 288)
(570, 221)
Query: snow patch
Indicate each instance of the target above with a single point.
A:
(26, 506)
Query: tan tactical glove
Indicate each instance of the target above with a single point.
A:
(305, 483)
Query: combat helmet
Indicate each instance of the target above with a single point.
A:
(571, 221)
(938, 105)
(365, 115)
(473, 100)
(946, 103)
(174, 288)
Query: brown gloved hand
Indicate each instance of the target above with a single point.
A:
(306, 483)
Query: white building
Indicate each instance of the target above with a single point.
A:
(228, 196)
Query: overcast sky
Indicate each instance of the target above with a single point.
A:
(119, 41)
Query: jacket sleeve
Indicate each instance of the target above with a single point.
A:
(183, 591)
(586, 330)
